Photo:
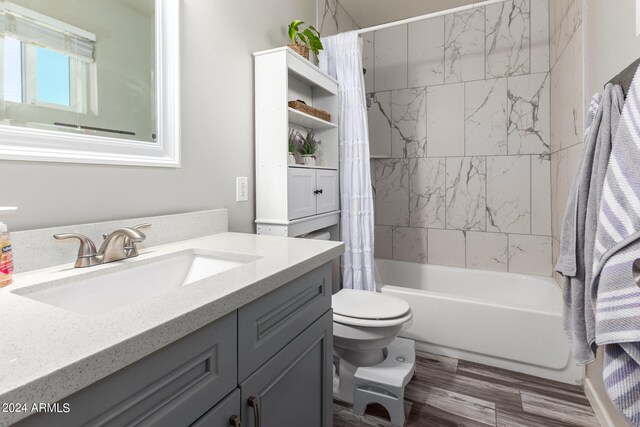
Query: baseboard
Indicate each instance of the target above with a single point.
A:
(599, 407)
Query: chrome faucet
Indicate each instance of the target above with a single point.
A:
(117, 245)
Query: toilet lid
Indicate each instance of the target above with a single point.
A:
(368, 305)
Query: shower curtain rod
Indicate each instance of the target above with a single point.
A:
(427, 16)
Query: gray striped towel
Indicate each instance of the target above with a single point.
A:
(617, 245)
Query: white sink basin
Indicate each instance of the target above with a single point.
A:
(97, 292)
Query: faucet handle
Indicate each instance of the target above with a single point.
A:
(143, 226)
(129, 245)
(87, 251)
(138, 227)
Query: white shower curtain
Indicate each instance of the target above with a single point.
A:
(342, 59)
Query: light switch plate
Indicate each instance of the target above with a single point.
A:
(242, 189)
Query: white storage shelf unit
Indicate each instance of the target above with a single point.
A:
(294, 199)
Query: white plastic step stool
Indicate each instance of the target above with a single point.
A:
(384, 383)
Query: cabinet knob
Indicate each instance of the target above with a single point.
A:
(318, 191)
(234, 421)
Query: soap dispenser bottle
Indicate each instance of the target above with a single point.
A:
(6, 257)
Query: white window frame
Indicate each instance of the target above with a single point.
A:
(19, 143)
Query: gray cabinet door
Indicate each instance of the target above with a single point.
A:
(294, 388)
(269, 323)
(172, 387)
(221, 414)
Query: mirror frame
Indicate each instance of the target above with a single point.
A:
(22, 143)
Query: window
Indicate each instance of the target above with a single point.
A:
(46, 62)
(53, 77)
(13, 70)
(44, 77)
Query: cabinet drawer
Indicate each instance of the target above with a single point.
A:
(294, 388)
(266, 325)
(220, 415)
(172, 387)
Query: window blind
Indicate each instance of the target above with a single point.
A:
(53, 34)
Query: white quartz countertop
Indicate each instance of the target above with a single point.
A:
(48, 353)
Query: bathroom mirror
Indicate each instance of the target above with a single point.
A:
(90, 81)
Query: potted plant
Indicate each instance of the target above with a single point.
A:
(294, 143)
(308, 148)
(304, 41)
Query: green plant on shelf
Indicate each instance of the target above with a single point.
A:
(309, 144)
(295, 140)
(309, 37)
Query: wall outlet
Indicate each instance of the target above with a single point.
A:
(242, 189)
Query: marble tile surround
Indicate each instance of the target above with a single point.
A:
(507, 38)
(409, 122)
(460, 136)
(464, 46)
(426, 52)
(466, 203)
(427, 192)
(509, 194)
(484, 117)
(566, 79)
(391, 183)
(565, 17)
(333, 18)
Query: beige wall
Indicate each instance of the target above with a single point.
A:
(612, 39)
(218, 37)
(613, 44)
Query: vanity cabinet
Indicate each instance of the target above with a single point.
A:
(294, 388)
(224, 414)
(270, 359)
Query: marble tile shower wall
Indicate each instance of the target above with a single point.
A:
(568, 106)
(333, 18)
(460, 138)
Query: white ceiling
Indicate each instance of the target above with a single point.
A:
(367, 13)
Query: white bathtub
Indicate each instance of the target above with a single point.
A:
(505, 320)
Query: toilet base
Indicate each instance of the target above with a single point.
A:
(343, 380)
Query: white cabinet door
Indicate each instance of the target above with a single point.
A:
(328, 191)
(302, 198)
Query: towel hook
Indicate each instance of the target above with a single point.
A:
(636, 271)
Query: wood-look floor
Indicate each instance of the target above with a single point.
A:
(446, 392)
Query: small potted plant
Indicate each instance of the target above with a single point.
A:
(308, 148)
(304, 41)
(294, 142)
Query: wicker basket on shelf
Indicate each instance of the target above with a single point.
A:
(301, 106)
(300, 49)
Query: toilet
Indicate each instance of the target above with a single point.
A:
(364, 325)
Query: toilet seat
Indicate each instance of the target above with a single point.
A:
(369, 323)
(369, 309)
